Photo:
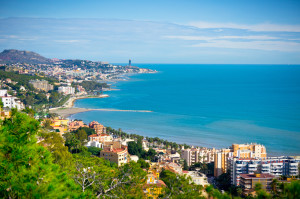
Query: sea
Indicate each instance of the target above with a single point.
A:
(207, 105)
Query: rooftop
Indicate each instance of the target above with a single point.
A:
(262, 175)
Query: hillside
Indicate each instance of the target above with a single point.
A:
(16, 56)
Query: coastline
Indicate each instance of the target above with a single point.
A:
(67, 109)
(210, 131)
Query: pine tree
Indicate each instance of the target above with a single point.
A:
(27, 170)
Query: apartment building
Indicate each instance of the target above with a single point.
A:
(252, 150)
(207, 155)
(276, 166)
(240, 166)
(190, 155)
(41, 85)
(280, 166)
(66, 90)
(99, 128)
(221, 163)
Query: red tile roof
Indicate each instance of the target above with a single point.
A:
(94, 135)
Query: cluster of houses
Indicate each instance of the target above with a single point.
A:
(114, 149)
(247, 163)
(76, 72)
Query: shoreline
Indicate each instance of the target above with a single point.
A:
(67, 109)
(71, 101)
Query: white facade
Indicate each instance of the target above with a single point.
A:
(134, 158)
(190, 155)
(12, 102)
(277, 166)
(67, 90)
(198, 178)
(94, 144)
(3, 93)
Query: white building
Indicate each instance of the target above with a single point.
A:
(198, 178)
(67, 90)
(94, 144)
(190, 155)
(134, 158)
(277, 166)
(3, 93)
(10, 101)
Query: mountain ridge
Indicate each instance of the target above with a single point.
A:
(13, 56)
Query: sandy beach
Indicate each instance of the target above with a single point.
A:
(67, 109)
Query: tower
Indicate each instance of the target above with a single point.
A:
(129, 62)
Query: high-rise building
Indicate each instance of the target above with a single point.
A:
(129, 62)
(220, 164)
(190, 155)
(239, 151)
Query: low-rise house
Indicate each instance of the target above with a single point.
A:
(153, 187)
(103, 138)
(126, 141)
(134, 158)
(115, 152)
(4, 113)
(144, 145)
(3, 93)
(94, 144)
(173, 167)
(60, 125)
(12, 102)
(248, 182)
(198, 178)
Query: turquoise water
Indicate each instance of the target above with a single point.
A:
(208, 105)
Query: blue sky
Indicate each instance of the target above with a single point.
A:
(249, 32)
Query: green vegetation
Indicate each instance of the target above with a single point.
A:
(135, 148)
(179, 186)
(154, 141)
(91, 86)
(87, 130)
(206, 168)
(27, 169)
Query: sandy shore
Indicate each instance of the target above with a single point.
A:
(70, 102)
(67, 109)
